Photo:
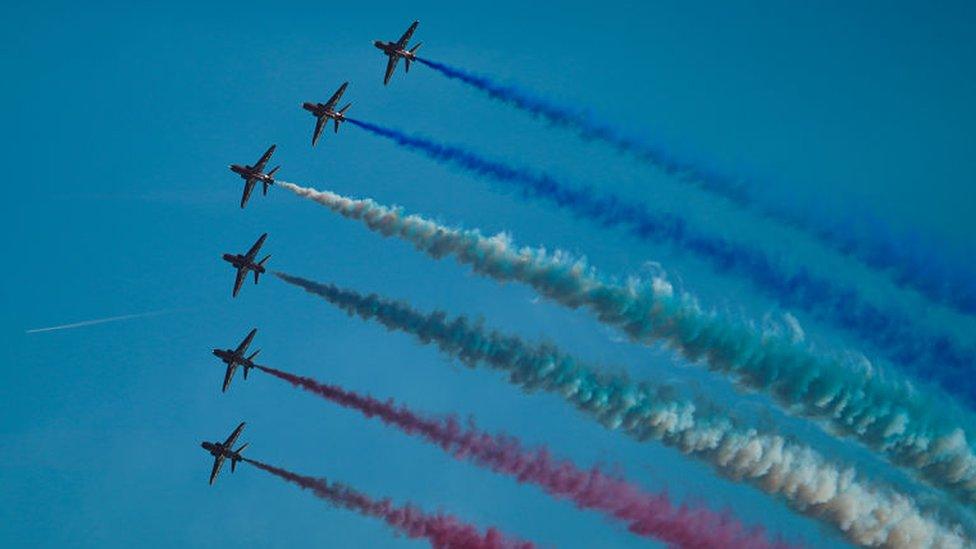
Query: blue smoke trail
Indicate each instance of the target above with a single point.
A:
(914, 267)
(866, 512)
(910, 425)
(933, 357)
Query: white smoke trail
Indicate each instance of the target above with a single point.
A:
(95, 321)
(912, 427)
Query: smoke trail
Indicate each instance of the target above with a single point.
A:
(865, 513)
(442, 531)
(912, 267)
(913, 427)
(645, 514)
(933, 357)
(94, 322)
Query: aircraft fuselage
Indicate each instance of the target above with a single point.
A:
(247, 172)
(230, 357)
(390, 48)
(227, 356)
(218, 449)
(319, 110)
(241, 262)
(215, 449)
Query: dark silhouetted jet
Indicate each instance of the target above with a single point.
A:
(245, 263)
(235, 357)
(324, 111)
(255, 173)
(398, 49)
(224, 450)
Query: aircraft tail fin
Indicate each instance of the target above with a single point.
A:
(257, 273)
(271, 175)
(250, 359)
(342, 111)
(237, 456)
(407, 60)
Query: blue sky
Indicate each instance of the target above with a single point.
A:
(119, 124)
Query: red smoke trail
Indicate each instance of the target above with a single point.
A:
(646, 514)
(443, 531)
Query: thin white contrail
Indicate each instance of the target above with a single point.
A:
(96, 321)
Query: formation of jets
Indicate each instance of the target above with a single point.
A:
(246, 263)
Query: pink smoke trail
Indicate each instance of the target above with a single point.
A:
(443, 531)
(648, 515)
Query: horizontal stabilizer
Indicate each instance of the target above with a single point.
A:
(409, 58)
(257, 273)
(268, 183)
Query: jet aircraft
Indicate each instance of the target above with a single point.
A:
(325, 111)
(235, 357)
(253, 174)
(245, 263)
(224, 450)
(396, 50)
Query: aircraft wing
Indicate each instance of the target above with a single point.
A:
(229, 443)
(331, 103)
(254, 249)
(248, 187)
(319, 124)
(247, 341)
(239, 281)
(390, 67)
(218, 463)
(263, 161)
(229, 375)
(402, 42)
